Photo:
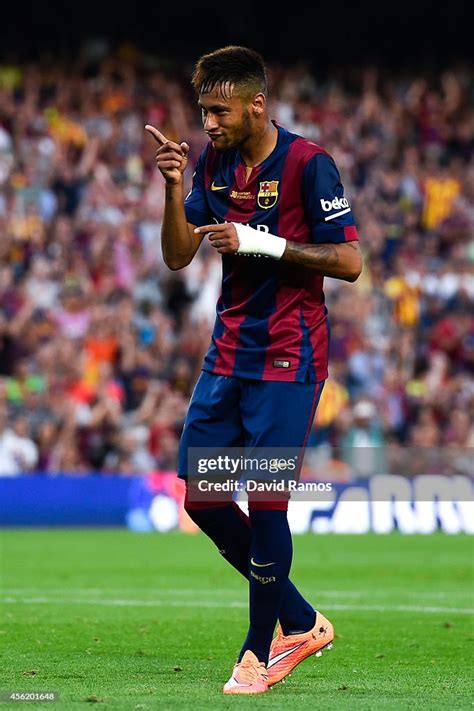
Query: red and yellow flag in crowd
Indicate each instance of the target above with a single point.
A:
(334, 399)
(406, 300)
(440, 195)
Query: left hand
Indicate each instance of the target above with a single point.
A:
(223, 237)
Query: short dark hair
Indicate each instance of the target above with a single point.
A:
(230, 67)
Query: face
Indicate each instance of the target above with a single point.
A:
(229, 121)
(21, 427)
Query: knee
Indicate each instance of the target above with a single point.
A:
(201, 512)
(195, 498)
(202, 517)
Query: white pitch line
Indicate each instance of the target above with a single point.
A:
(122, 603)
(169, 591)
(233, 603)
(185, 592)
(406, 608)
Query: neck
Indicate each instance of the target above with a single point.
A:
(259, 145)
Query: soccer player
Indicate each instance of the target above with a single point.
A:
(258, 191)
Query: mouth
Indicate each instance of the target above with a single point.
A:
(214, 136)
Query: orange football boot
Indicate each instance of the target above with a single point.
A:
(249, 676)
(287, 652)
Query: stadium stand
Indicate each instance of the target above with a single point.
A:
(100, 345)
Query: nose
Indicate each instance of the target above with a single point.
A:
(210, 122)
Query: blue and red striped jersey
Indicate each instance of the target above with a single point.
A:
(271, 321)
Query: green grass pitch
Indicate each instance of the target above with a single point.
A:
(116, 620)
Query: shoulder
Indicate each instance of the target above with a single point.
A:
(302, 149)
(308, 151)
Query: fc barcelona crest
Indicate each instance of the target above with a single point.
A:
(268, 194)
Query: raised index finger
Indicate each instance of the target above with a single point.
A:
(218, 227)
(157, 135)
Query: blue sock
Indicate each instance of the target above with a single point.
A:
(226, 526)
(269, 566)
(229, 528)
(296, 614)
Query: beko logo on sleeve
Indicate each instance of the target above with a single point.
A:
(336, 204)
(340, 204)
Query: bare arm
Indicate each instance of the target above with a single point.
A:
(178, 241)
(341, 261)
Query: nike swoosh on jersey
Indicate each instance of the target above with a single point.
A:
(281, 656)
(261, 565)
(218, 187)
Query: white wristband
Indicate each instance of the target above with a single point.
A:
(253, 241)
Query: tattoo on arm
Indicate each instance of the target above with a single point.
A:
(333, 260)
(312, 255)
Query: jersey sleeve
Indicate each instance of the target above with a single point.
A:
(195, 204)
(328, 211)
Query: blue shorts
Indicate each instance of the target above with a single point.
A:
(226, 411)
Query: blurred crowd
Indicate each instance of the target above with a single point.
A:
(100, 344)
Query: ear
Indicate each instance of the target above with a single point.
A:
(259, 103)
